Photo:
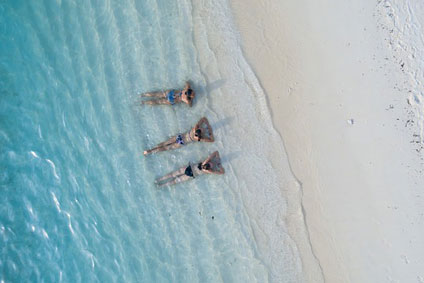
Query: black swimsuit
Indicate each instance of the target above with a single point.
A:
(188, 171)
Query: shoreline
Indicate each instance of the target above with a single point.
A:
(333, 99)
(269, 191)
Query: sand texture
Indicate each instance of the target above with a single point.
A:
(344, 85)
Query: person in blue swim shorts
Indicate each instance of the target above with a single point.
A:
(201, 132)
(170, 97)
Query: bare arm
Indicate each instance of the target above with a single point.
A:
(217, 164)
(207, 140)
(220, 170)
(201, 121)
(199, 124)
(210, 138)
(192, 132)
(215, 154)
(195, 128)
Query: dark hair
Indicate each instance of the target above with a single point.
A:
(198, 134)
(188, 93)
(206, 166)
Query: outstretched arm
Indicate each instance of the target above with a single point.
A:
(199, 124)
(213, 155)
(220, 170)
(210, 138)
(216, 161)
(201, 121)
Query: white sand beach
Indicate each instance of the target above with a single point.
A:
(343, 82)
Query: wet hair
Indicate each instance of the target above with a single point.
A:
(189, 93)
(198, 133)
(206, 166)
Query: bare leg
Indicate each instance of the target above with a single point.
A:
(174, 145)
(156, 101)
(162, 146)
(172, 175)
(176, 180)
(154, 94)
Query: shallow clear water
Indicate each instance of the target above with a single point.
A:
(76, 196)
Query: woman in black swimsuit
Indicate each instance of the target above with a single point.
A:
(211, 165)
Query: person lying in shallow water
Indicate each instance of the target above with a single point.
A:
(211, 165)
(171, 96)
(201, 132)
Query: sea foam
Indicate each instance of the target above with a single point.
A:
(70, 75)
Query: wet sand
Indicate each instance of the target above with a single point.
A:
(335, 100)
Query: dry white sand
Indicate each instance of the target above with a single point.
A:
(338, 93)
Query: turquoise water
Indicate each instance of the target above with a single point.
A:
(77, 201)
